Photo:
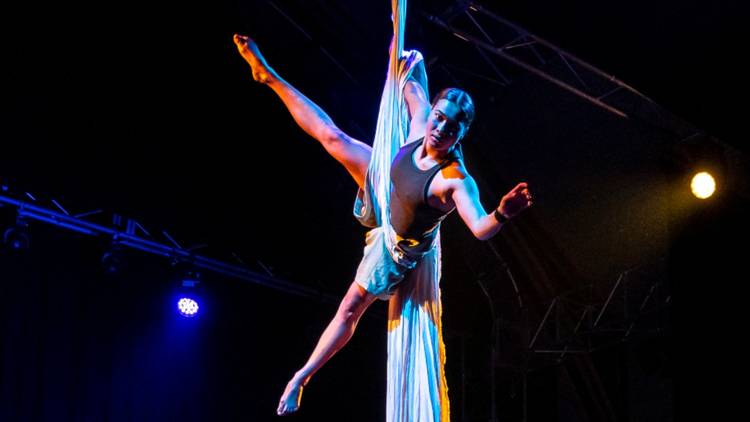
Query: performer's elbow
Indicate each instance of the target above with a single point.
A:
(482, 234)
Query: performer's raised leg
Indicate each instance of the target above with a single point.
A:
(354, 155)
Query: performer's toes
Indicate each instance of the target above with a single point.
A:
(250, 52)
(284, 410)
(290, 400)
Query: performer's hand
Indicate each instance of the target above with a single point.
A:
(515, 201)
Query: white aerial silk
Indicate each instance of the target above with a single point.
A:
(417, 390)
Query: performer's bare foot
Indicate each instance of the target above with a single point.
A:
(250, 52)
(290, 400)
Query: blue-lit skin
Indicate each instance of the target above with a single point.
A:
(187, 307)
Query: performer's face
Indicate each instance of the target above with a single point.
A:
(443, 127)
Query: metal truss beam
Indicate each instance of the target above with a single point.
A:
(587, 319)
(493, 36)
(129, 238)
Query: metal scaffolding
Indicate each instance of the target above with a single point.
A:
(498, 42)
(594, 317)
(128, 233)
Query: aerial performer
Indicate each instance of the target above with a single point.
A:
(409, 180)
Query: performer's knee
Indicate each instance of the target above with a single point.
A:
(353, 304)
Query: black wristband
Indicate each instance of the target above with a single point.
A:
(499, 216)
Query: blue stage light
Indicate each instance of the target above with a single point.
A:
(188, 307)
(188, 295)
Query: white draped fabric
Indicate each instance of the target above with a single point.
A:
(417, 390)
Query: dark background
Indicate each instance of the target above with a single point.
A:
(146, 110)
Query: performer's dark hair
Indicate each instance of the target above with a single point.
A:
(460, 98)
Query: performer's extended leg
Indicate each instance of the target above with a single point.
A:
(354, 155)
(334, 337)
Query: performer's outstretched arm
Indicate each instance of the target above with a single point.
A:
(465, 195)
(351, 153)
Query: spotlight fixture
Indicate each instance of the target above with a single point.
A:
(17, 236)
(703, 185)
(188, 299)
(188, 307)
(112, 260)
(702, 164)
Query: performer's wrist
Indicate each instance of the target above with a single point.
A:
(502, 219)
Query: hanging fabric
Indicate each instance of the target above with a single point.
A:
(417, 390)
